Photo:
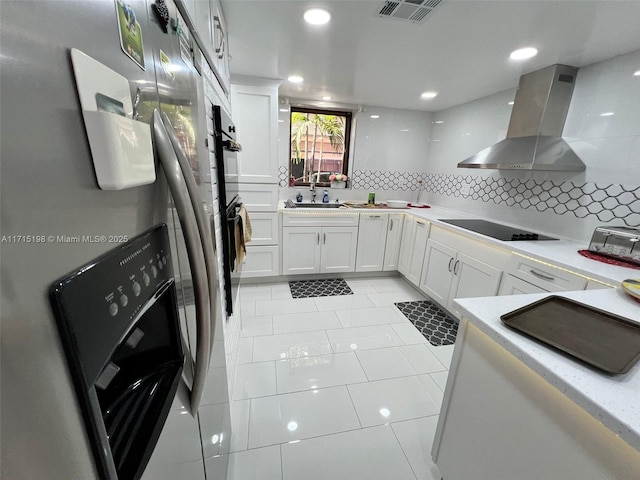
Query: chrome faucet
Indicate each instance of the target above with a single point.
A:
(312, 189)
(420, 190)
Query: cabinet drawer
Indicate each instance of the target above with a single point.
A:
(266, 230)
(261, 261)
(543, 275)
(257, 198)
(314, 219)
(511, 285)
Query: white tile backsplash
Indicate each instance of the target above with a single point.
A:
(607, 145)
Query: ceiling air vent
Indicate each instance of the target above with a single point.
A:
(414, 11)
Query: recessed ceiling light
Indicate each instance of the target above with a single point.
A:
(607, 114)
(429, 94)
(511, 103)
(284, 109)
(295, 79)
(317, 16)
(375, 116)
(439, 121)
(523, 53)
(637, 74)
(404, 130)
(326, 99)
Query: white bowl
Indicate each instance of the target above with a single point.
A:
(397, 204)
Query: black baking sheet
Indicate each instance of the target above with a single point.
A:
(602, 339)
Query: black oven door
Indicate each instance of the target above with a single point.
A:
(226, 150)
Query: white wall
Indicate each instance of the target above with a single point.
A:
(388, 154)
(609, 146)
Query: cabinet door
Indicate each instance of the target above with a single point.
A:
(392, 247)
(372, 239)
(438, 271)
(406, 245)
(220, 41)
(255, 113)
(300, 250)
(338, 249)
(420, 238)
(472, 278)
(511, 285)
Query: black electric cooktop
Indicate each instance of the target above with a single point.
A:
(495, 230)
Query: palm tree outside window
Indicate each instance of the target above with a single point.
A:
(319, 145)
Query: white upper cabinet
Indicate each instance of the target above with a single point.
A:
(220, 41)
(372, 237)
(255, 113)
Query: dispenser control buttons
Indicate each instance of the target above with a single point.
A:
(164, 260)
(136, 288)
(124, 300)
(160, 265)
(113, 309)
(154, 271)
(146, 279)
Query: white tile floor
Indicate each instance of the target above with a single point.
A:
(335, 387)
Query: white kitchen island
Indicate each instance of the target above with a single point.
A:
(515, 409)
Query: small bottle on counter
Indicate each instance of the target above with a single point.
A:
(372, 198)
(299, 197)
(325, 196)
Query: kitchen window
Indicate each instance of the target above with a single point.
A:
(319, 145)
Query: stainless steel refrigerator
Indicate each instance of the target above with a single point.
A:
(48, 190)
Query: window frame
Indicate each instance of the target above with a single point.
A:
(347, 138)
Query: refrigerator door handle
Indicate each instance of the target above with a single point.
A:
(201, 219)
(171, 167)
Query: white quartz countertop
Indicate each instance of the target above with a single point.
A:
(562, 253)
(612, 399)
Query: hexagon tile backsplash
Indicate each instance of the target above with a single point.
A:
(606, 202)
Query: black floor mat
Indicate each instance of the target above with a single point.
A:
(319, 288)
(431, 321)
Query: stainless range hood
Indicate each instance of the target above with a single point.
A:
(534, 139)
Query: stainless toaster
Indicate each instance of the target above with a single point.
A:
(618, 242)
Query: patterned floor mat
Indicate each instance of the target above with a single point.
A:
(431, 321)
(319, 288)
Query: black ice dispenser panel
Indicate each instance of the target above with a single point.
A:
(118, 321)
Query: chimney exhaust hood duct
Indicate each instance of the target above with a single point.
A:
(534, 139)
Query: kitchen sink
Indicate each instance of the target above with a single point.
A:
(319, 205)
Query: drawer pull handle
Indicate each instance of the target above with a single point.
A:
(318, 241)
(324, 238)
(450, 262)
(540, 275)
(455, 267)
(391, 225)
(421, 223)
(375, 216)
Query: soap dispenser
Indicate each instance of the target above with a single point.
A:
(325, 196)
(299, 197)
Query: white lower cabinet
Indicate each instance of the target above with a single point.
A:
(449, 274)
(372, 236)
(318, 250)
(392, 246)
(414, 241)
(511, 285)
(261, 261)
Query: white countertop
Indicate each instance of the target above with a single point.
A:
(563, 253)
(613, 400)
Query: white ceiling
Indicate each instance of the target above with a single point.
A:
(461, 50)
